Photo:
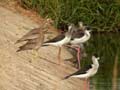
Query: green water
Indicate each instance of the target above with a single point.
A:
(107, 46)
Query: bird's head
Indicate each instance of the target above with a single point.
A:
(95, 56)
(49, 21)
(88, 28)
(81, 25)
(71, 28)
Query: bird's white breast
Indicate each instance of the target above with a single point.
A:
(61, 42)
(89, 73)
(80, 40)
(64, 41)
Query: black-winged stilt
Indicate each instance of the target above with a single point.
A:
(80, 36)
(87, 71)
(60, 40)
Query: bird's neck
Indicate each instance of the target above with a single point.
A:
(95, 62)
(87, 33)
(68, 34)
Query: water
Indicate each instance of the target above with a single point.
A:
(107, 46)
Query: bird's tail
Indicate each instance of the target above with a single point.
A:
(66, 77)
(44, 45)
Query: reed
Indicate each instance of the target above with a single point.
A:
(99, 14)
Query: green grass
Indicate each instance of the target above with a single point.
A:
(99, 14)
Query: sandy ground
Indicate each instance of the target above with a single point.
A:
(25, 70)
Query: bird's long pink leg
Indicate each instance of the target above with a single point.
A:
(59, 56)
(78, 53)
(88, 84)
(85, 84)
(78, 56)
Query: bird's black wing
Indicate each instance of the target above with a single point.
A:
(57, 38)
(78, 34)
(81, 71)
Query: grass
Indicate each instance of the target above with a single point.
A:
(99, 14)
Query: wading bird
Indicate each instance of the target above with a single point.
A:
(86, 72)
(79, 37)
(61, 40)
(34, 38)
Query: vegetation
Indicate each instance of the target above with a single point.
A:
(100, 14)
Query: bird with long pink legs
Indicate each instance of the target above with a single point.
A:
(86, 72)
(79, 37)
(60, 40)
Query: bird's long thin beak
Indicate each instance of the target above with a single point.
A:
(98, 58)
(90, 30)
